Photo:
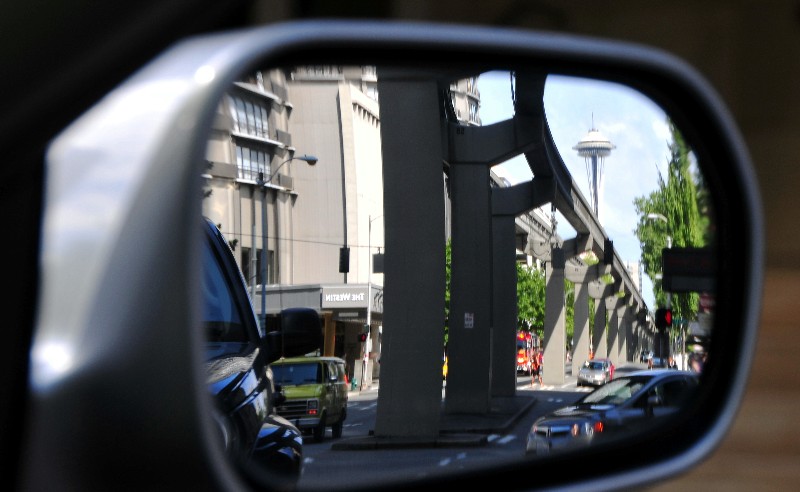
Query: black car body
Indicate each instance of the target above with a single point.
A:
(620, 405)
(237, 368)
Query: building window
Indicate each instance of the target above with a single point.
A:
(472, 85)
(247, 266)
(371, 90)
(250, 116)
(473, 111)
(251, 163)
(271, 267)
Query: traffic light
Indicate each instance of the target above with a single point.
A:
(344, 260)
(663, 318)
(362, 337)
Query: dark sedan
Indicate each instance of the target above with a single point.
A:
(621, 404)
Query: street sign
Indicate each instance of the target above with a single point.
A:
(688, 269)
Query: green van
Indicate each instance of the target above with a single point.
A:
(315, 391)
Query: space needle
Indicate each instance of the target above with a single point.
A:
(594, 148)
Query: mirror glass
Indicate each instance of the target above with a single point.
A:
(502, 261)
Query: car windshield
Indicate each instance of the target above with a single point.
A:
(296, 374)
(616, 391)
(595, 366)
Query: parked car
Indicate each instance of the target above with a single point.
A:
(595, 372)
(315, 390)
(237, 370)
(619, 406)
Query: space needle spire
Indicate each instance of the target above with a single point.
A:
(594, 148)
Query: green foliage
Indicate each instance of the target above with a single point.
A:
(569, 322)
(683, 200)
(530, 299)
(530, 296)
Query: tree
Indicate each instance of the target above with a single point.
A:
(530, 296)
(569, 320)
(680, 197)
(530, 299)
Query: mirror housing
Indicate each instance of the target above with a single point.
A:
(155, 202)
(300, 334)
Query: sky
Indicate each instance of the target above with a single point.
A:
(634, 124)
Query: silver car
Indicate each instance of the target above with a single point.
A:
(619, 406)
(595, 372)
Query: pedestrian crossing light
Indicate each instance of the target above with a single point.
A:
(663, 318)
(362, 337)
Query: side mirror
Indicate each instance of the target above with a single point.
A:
(434, 160)
(300, 334)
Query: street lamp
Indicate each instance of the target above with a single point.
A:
(311, 160)
(369, 294)
(657, 216)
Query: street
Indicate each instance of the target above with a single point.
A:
(324, 466)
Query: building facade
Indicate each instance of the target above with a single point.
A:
(309, 231)
(297, 243)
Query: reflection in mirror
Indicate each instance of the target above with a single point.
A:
(539, 240)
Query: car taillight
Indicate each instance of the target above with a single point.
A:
(598, 426)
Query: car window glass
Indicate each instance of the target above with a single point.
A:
(222, 320)
(295, 374)
(674, 392)
(615, 392)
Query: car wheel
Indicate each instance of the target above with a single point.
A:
(336, 429)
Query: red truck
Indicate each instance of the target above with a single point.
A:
(525, 348)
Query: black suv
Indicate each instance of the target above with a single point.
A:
(238, 354)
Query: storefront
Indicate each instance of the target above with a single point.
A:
(347, 311)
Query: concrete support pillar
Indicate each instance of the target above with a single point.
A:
(504, 307)
(410, 397)
(469, 340)
(625, 333)
(599, 329)
(614, 323)
(581, 329)
(554, 320)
